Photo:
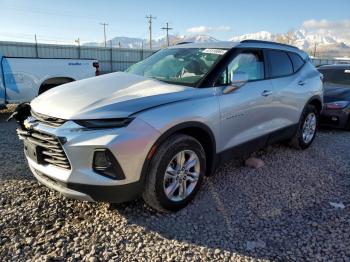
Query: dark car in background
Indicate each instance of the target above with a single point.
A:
(336, 110)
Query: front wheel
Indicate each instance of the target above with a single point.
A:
(307, 128)
(176, 173)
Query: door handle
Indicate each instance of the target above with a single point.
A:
(301, 82)
(266, 93)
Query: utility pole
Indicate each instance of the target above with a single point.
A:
(167, 28)
(104, 32)
(150, 17)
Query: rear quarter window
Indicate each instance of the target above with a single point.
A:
(280, 63)
(297, 61)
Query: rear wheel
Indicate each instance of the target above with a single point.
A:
(307, 128)
(176, 173)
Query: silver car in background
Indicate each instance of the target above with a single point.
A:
(157, 129)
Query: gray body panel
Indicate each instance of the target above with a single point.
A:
(257, 109)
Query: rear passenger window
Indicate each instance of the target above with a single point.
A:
(280, 64)
(298, 62)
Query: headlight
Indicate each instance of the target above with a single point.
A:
(337, 105)
(104, 123)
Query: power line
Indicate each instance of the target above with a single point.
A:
(167, 28)
(104, 32)
(150, 17)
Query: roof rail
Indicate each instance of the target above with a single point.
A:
(182, 43)
(267, 42)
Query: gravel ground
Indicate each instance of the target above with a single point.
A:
(279, 212)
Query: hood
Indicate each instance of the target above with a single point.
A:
(114, 95)
(336, 92)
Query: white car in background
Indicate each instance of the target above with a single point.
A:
(22, 79)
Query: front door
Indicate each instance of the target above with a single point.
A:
(245, 112)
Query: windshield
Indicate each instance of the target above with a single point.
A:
(184, 66)
(338, 76)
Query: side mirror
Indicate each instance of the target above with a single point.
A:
(238, 79)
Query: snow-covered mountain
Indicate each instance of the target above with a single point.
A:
(130, 42)
(125, 42)
(262, 35)
(327, 43)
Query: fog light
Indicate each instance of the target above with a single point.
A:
(105, 164)
(101, 160)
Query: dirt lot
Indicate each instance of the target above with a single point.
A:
(297, 207)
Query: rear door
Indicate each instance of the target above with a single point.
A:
(290, 82)
(245, 113)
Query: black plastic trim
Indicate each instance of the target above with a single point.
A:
(119, 174)
(111, 194)
(256, 144)
(267, 42)
(173, 130)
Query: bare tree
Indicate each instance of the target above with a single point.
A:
(287, 38)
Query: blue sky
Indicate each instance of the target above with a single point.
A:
(64, 20)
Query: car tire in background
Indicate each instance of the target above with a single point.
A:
(307, 128)
(179, 163)
(348, 125)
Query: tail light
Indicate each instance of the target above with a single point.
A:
(97, 66)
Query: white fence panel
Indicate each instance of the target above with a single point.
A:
(111, 59)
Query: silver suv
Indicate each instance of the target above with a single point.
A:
(157, 129)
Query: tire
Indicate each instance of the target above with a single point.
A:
(158, 181)
(299, 141)
(347, 127)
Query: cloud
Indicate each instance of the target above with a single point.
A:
(324, 24)
(207, 29)
(340, 28)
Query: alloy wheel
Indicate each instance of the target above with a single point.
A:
(181, 175)
(309, 127)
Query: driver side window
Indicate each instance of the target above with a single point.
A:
(250, 62)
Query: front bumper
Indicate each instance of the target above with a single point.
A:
(91, 193)
(129, 145)
(335, 118)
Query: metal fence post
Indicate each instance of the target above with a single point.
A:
(111, 58)
(36, 47)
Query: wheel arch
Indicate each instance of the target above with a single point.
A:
(316, 101)
(57, 80)
(197, 130)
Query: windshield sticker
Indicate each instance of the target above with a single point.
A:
(347, 71)
(214, 51)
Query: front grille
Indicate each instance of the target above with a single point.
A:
(48, 120)
(50, 150)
